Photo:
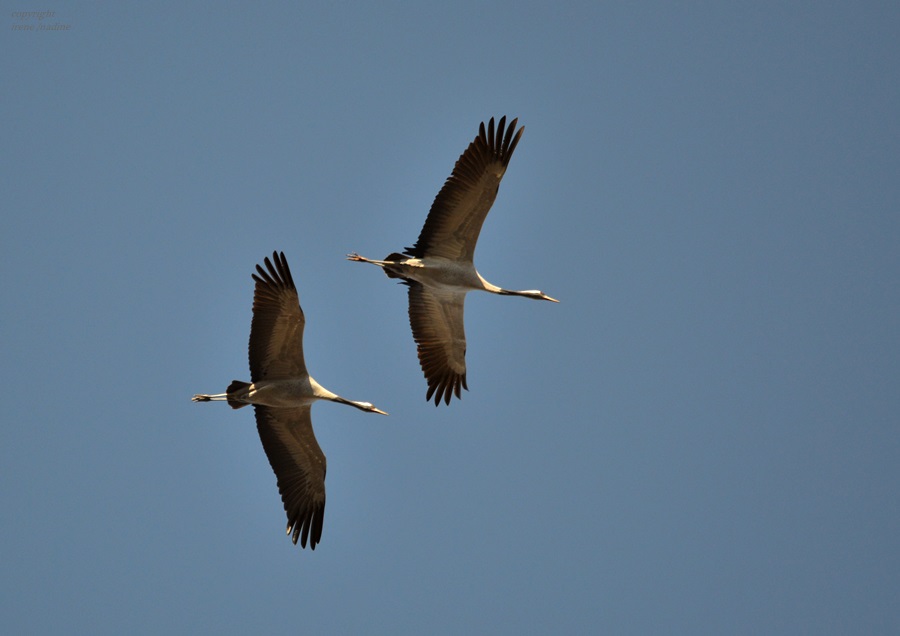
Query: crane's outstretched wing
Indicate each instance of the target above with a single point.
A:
(276, 331)
(457, 214)
(299, 464)
(436, 318)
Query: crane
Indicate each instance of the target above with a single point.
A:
(439, 269)
(282, 392)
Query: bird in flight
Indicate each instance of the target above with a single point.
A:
(282, 392)
(439, 268)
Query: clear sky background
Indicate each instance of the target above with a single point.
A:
(702, 437)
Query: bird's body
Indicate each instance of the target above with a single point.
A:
(432, 271)
(439, 269)
(282, 392)
(292, 392)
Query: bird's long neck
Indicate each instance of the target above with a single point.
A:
(358, 405)
(490, 287)
(525, 293)
(319, 391)
(362, 406)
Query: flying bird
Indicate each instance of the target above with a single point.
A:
(282, 392)
(439, 268)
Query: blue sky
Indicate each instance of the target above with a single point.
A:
(702, 437)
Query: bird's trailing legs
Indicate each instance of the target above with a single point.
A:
(353, 256)
(201, 397)
(392, 259)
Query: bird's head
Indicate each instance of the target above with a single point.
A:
(368, 406)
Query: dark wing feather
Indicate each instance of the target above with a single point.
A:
(276, 331)
(299, 464)
(436, 318)
(458, 212)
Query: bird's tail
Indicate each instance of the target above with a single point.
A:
(233, 391)
(395, 258)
